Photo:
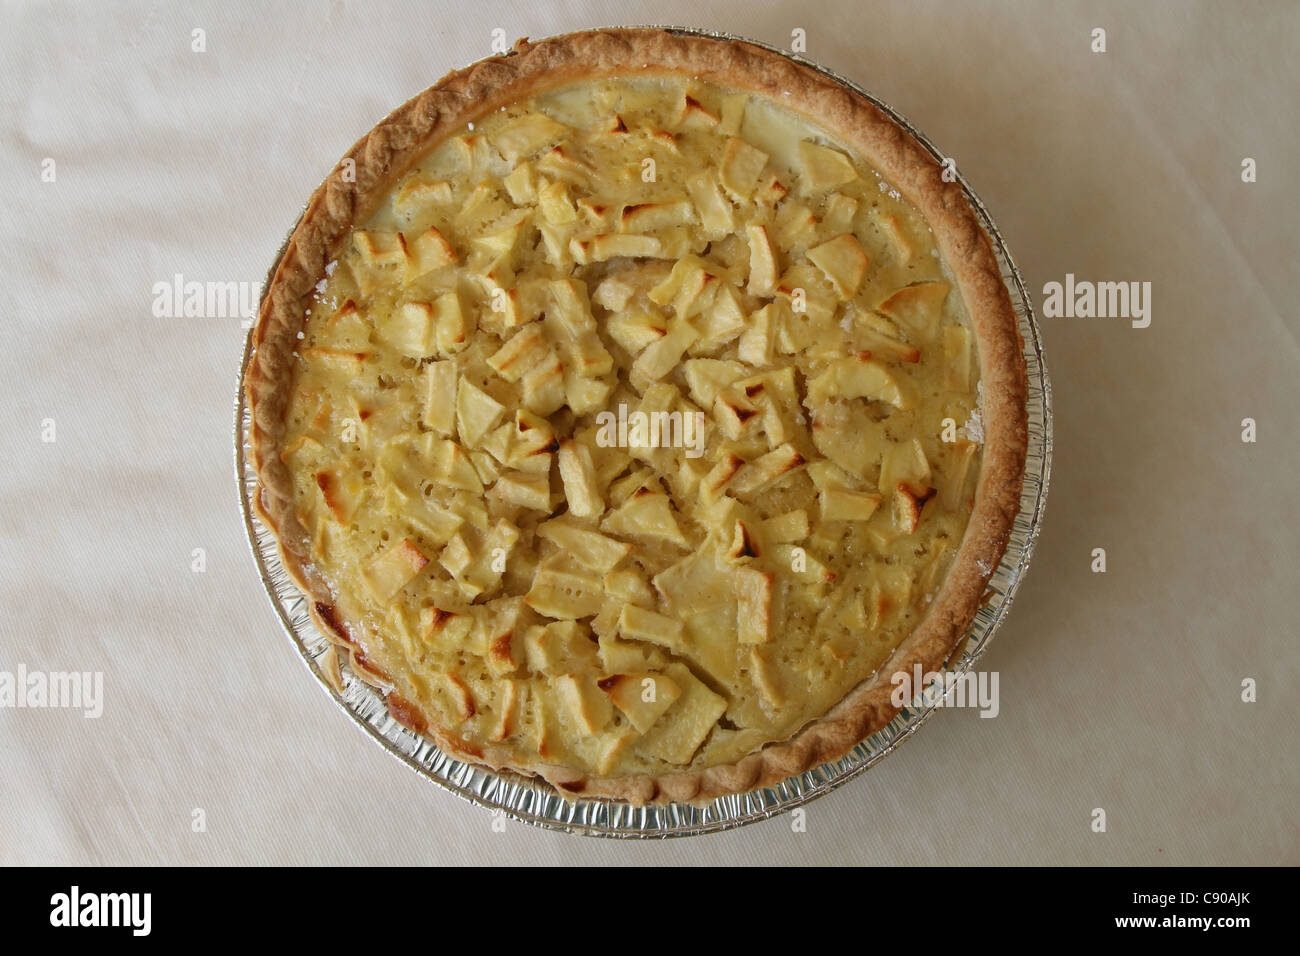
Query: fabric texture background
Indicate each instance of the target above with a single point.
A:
(1119, 691)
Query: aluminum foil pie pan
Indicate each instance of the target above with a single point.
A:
(535, 802)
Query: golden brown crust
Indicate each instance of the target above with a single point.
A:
(396, 143)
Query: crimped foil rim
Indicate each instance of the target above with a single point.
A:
(533, 801)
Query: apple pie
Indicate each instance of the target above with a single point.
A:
(632, 406)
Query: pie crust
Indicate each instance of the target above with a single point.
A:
(384, 155)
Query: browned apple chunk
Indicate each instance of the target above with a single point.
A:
(393, 569)
(642, 697)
